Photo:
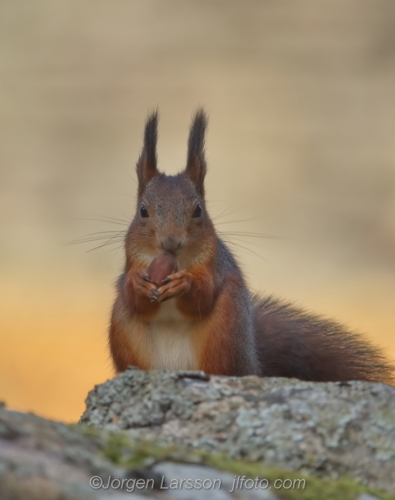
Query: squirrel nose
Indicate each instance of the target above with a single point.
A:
(171, 242)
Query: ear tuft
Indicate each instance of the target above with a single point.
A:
(146, 165)
(196, 163)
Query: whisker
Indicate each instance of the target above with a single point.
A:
(131, 177)
(111, 220)
(110, 231)
(101, 235)
(247, 250)
(103, 245)
(253, 235)
(104, 217)
(241, 220)
(241, 246)
(256, 244)
(224, 214)
(116, 249)
(115, 240)
(221, 213)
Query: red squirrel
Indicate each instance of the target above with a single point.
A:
(198, 313)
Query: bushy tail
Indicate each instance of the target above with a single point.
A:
(293, 343)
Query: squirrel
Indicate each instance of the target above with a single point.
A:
(201, 315)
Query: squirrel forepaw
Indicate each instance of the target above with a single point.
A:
(143, 287)
(174, 285)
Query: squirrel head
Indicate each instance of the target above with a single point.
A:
(171, 212)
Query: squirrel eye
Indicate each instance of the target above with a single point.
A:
(143, 211)
(198, 211)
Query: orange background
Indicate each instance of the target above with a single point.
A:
(301, 144)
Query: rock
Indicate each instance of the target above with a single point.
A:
(327, 429)
(219, 485)
(45, 460)
(364, 496)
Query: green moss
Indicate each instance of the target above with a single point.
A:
(86, 430)
(116, 447)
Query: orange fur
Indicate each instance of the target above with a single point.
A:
(126, 350)
(216, 344)
(198, 302)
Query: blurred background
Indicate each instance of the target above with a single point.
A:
(300, 148)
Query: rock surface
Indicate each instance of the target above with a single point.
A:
(45, 460)
(186, 436)
(328, 429)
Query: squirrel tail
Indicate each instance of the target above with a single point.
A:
(293, 343)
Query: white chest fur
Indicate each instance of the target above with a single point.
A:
(170, 336)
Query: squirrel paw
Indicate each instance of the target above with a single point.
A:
(174, 285)
(143, 287)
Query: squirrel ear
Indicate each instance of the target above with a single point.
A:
(196, 163)
(146, 165)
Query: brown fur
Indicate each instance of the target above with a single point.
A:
(293, 343)
(198, 302)
(219, 344)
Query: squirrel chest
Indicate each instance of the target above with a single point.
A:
(169, 339)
